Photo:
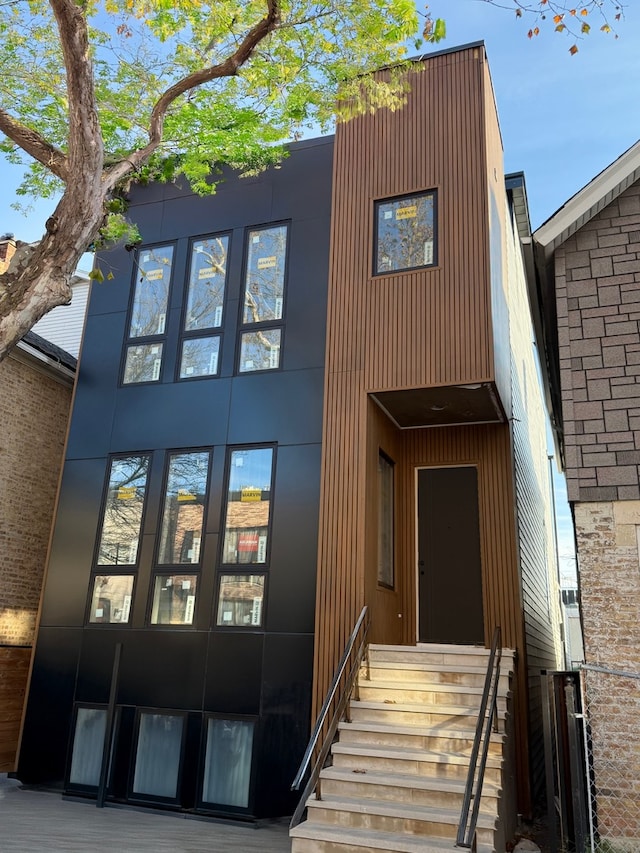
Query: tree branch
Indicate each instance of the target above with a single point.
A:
(228, 68)
(86, 150)
(35, 145)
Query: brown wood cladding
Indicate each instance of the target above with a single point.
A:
(14, 669)
(412, 329)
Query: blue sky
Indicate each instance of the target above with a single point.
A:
(563, 119)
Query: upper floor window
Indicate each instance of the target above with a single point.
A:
(205, 301)
(405, 233)
(261, 334)
(143, 359)
(122, 515)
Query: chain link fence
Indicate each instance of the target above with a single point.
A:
(611, 714)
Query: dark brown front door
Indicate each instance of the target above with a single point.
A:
(449, 566)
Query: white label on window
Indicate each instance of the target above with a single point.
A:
(217, 317)
(388, 214)
(428, 252)
(199, 249)
(156, 369)
(248, 365)
(227, 616)
(146, 258)
(239, 461)
(262, 549)
(126, 608)
(133, 551)
(256, 238)
(161, 321)
(155, 350)
(189, 608)
(186, 584)
(278, 308)
(256, 611)
(274, 356)
(213, 362)
(99, 612)
(196, 549)
(188, 371)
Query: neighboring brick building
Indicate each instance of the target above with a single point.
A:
(588, 256)
(36, 382)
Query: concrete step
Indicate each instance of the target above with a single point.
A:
(430, 673)
(436, 653)
(337, 782)
(414, 737)
(316, 838)
(443, 694)
(354, 813)
(386, 759)
(421, 714)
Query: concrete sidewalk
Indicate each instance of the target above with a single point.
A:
(42, 822)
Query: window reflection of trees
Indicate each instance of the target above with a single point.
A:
(143, 363)
(183, 516)
(240, 600)
(264, 284)
(123, 511)
(248, 506)
(111, 600)
(260, 350)
(174, 599)
(207, 283)
(405, 234)
(149, 313)
(199, 357)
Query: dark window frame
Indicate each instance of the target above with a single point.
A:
(433, 192)
(136, 797)
(158, 568)
(147, 340)
(382, 583)
(205, 806)
(208, 331)
(263, 325)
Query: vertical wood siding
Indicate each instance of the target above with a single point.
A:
(412, 329)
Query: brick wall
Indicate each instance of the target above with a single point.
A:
(598, 303)
(609, 562)
(34, 410)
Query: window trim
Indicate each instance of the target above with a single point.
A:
(433, 192)
(147, 339)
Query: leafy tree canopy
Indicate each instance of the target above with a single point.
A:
(94, 95)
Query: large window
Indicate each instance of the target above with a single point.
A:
(203, 312)
(405, 233)
(122, 516)
(262, 310)
(147, 325)
(88, 746)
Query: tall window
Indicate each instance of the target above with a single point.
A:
(262, 314)
(158, 755)
(180, 536)
(385, 521)
(405, 233)
(246, 537)
(203, 313)
(227, 764)
(144, 350)
(117, 555)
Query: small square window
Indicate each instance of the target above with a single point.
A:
(260, 350)
(405, 233)
(240, 601)
(111, 599)
(143, 363)
(199, 357)
(174, 599)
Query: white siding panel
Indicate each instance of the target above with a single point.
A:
(64, 325)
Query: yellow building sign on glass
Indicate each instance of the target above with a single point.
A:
(409, 212)
(251, 494)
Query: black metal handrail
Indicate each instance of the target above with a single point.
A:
(344, 680)
(473, 788)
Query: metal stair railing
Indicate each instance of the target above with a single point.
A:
(473, 788)
(337, 700)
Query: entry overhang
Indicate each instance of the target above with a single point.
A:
(450, 405)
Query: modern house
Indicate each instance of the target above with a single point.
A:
(588, 258)
(36, 383)
(311, 391)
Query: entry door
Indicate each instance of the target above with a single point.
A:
(449, 567)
